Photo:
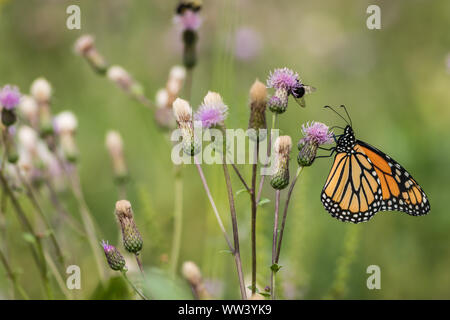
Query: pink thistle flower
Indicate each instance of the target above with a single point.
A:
(316, 132)
(9, 97)
(212, 112)
(285, 79)
(247, 44)
(188, 20)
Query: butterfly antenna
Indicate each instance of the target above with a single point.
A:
(345, 109)
(338, 114)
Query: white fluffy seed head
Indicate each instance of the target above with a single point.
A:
(84, 44)
(114, 142)
(28, 138)
(162, 98)
(118, 74)
(182, 110)
(258, 92)
(28, 107)
(191, 273)
(41, 90)
(283, 145)
(177, 73)
(213, 99)
(66, 122)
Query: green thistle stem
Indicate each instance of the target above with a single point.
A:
(124, 274)
(12, 276)
(274, 243)
(178, 221)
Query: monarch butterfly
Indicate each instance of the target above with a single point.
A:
(363, 180)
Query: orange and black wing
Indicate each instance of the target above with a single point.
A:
(352, 191)
(366, 181)
(400, 191)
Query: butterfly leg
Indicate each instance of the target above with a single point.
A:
(331, 154)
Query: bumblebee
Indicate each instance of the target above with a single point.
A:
(194, 5)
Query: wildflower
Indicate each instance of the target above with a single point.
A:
(258, 103)
(114, 258)
(114, 144)
(315, 134)
(9, 97)
(124, 80)
(189, 21)
(85, 47)
(65, 125)
(212, 112)
(192, 274)
(183, 114)
(247, 44)
(285, 82)
(41, 91)
(132, 239)
(29, 109)
(282, 148)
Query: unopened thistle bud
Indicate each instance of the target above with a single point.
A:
(65, 126)
(315, 134)
(282, 148)
(85, 47)
(191, 272)
(41, 91)
(189, 21)
(132, 239)
(125, 81)
(9, 99)
(10, 144)
(114, 258)
(183, 114)
(285, 82)
(114, 144)
(258, 103)
(28, 108)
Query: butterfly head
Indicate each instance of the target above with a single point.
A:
(346, 141)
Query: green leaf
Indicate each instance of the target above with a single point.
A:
(241, 191)
(29, 237)
(159, 285)
(275, 267)
(265, 294)
(250, 287)
(116, 288)
(263, 201)
(226, 251)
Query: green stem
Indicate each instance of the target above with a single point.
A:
(12, 276)
(178, 221)
(274, 243)
(124, 274)
(253, 224)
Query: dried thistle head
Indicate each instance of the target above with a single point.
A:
(282, 148)
(191, 272)
(132, 239)
(258, 104)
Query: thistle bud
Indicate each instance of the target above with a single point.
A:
(125, 81)
(85, 47)
(28, 108)
(9, 99)
(278, 103)
(282, 148)
(41, 91)
(10, 144)
(114, 258)
(132, 239)
(315, 134)
(192, 274)
(114, 144)
(65, 125)
(189, 21)
(183, 114)
(258, 103)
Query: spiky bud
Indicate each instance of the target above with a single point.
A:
(282, 148)
(132, 239)
(258, 103)
(114, 144)
(114, 258)
(10, 144)
(278, 103)
(183, 114)
(85, 47)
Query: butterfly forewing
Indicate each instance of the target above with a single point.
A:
(363, 180)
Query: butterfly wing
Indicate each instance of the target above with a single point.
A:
(400, 191)
(367, 181)
(352, 191)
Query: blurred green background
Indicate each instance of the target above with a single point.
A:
(394, 81)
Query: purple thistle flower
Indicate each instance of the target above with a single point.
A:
(188, 20)
(114, 258)
(212, 112)
(316, 132)
(9, 97)
(284, 79)
(106, 246)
